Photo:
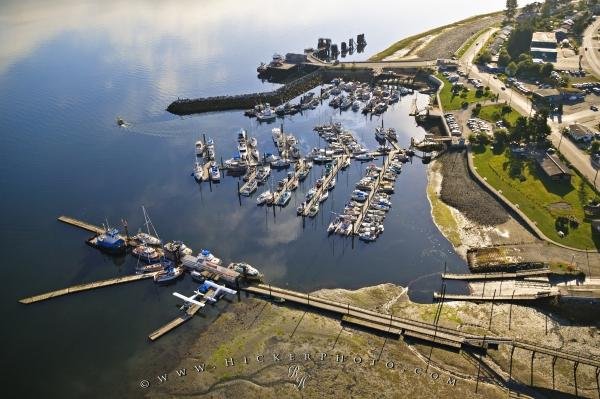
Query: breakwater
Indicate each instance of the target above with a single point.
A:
(290, 90)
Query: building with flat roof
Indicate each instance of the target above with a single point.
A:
(581, 133)
(543, 47)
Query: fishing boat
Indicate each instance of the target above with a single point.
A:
(215, 173)
(236, 165)
(168, 275)
(176, 249)
(147, 254)
(110, 241)
(312, 212)
(199, 148)
(206, 256)
(245, 269)
(248, 188)
(264, 197)
(284, 198)
(198, 171)
(210, 149)
(267, 114)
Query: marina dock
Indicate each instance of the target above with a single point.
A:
(497, 298)
(81, 224)
(367, 204)
(324, 187)
(173, 324)
(86, 287)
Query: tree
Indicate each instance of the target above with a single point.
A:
(484, 57)
(519, 40)
(503, 58)
(511, 9)
(546, 70)
(511, 69)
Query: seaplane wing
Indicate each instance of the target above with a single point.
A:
(191, 299)
(219, 288)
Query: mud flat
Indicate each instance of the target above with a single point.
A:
(252, 349)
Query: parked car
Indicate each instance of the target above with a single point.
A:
(593, 108)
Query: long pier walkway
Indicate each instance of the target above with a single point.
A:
(498, 298)
(86, 287)
(81, 224)
(399, 326)
(497, 275)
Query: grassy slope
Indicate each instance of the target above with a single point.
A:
(466, 45)
(399, 45)
(537, 192)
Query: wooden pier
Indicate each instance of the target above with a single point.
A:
(82, 225)
(497, 275)
(189, 313)
(86, 287)
(373, 192)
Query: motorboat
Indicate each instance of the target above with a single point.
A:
(346, 163)
(280, 163)
(176, 249)
(276, 133)
(206, 256)
(248, 188)
(198, 171)
(199, 148)
(262, 173)
(284, 198)
(151, 268)
(267, 114)
(391, 134)
(168, 275)
(236, 165)
(197, 276)
(313, 210)
(367, 236)
(311, 193)
(380, 133)
(356, 105)
(264, 197)
(331, 184)
(210, 149)
(346, 103)
(215, 173)
(364, 157)
(242, 145)
(147, 254)
(324, 196)
(359, 195)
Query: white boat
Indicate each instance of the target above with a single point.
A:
(280, 163)
(147, 254)
(356, 105)
(324, 196)
(346, 103)
(249, 188)
(206, 256)
(367, 236)
(199, 148)
(198, 171)
(331, 184)
(346, 163)
(267, 114)
(264, 197)
(245, 269)
(276, 133)
(215, 173)
(168, 275)
(312, 212)
(311, 193)
(262, 173)
(210, 149)
(253, 142)
(391, 133)
(146, 239)
(364, 157)
(284, 198)
(359, 196)
(380, 133)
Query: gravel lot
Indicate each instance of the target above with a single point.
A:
(460, 191)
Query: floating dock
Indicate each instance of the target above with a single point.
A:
(324, 187)
(81, 224)
(86, 287)
(497, 298)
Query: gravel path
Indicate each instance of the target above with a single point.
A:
(460, 191)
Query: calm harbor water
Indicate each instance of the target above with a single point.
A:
(67, 69)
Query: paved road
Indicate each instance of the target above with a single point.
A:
(592, 55)
(580, 160)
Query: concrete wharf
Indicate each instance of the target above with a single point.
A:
(86, 287)
(373, 192)
(497, 275)
(187, 315)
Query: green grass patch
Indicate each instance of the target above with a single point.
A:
(407, 42)
(540, 198)
(493, 113)
(450, 101)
